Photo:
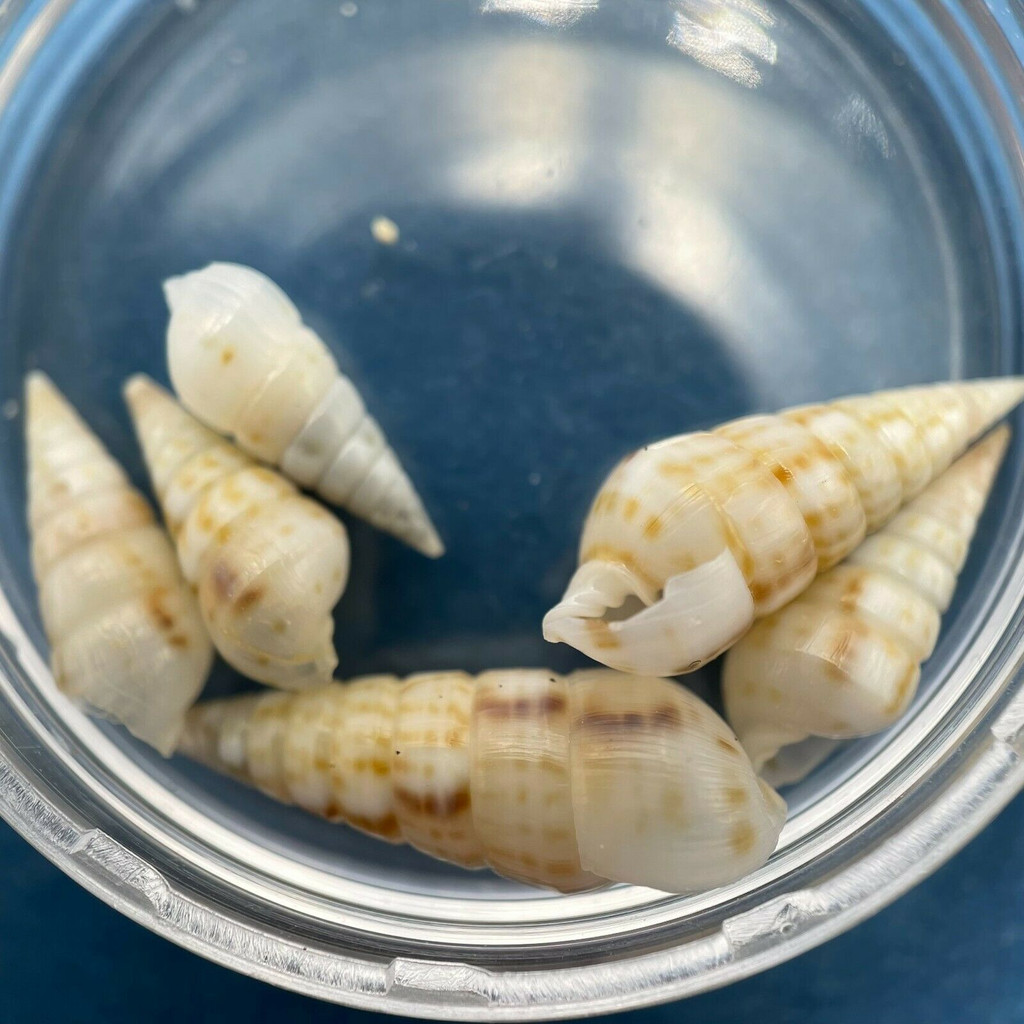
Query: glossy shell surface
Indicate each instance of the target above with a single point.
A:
(268, 563)
(565, 782)
(843, 660)
(692, 539)
(125, 631)
(243, 362)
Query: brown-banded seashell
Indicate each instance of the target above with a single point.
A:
(562, 782)
(243, 362)
(268, 563)
(843, 659)
(125, 632)
(691, 539)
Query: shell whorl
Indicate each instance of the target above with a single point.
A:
(125, 633)
(269, 564)
(691, 539)
(562, 782)
(242, 361)
(843, 660)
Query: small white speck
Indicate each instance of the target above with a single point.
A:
(534, 479)
(10, 408)
(237, 57)
(349, 9)
(372, 289)
(188, 6)
(384, 230)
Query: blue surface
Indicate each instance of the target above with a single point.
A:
(951, 950)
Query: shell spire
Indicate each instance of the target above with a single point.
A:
(565, 782)
(244, 363)
(125, 633)
(843, 660)
(269, 565)
(691, 539)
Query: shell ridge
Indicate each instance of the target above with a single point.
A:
(802, 672)
(266, 602)
(769, 469)
(924, 543)
(339, 437)
(840, 454)
(853, 410)
(865, 616)
(133, 607)
(285, 371)
(74, 500)
(259, 393)
(616, 739)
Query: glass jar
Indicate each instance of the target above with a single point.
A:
(617, 219)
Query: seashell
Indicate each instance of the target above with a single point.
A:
(844, 658)
(691, 539)
(125, 633)
(560, 782)
(243, 362)
(269, 564)
(795, 762)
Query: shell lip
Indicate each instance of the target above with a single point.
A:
(696, 616)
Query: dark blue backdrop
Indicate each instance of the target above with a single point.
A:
(950, 951)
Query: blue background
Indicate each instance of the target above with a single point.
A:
(951, 950)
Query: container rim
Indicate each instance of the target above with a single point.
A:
(991, 775)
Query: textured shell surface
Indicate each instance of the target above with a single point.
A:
(268, 564)
(692, 539)
(244, 363)
(564, 782)
(843, 660)
(125, 631)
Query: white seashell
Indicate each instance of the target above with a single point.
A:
(125, 633)
(561, 782)
(691, 539)
(844, 658)
(269, 564)
(796, 761)
(243, 362)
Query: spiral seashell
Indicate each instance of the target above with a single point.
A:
(843, 660)
(125, 633)
(243, 362)
(269, 564)
(691, 539)
(560, 782)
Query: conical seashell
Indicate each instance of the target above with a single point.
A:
(242, 361)
(268, 563)
(844, 658)
(125, 634)
(561, 782)
(691, 539)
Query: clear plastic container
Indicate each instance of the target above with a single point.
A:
(618, 219)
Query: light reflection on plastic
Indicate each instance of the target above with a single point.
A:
(527, 153)
(553, 13)
(728, 36)
(859, 125)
